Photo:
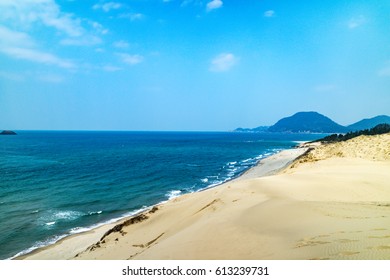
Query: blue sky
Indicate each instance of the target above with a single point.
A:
(190, 64)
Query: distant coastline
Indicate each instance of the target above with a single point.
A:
(313, 122)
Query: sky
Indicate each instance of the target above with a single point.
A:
(191, 65)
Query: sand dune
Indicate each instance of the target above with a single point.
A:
(332, 203)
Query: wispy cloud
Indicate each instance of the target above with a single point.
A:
(38, 17)
(106, 7)
(37, 13)
(131, 59)
(269, 13)
(25, 13)
(10, 37)
(356, 22)
(223, 62)
(20, 45)
(121, 44)
(82, 41)
(98, 27)
(214, 4)
(132, 16)
(37, 56)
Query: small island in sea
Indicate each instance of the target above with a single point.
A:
(8, 132)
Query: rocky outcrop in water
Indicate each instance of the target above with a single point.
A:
(7, 132)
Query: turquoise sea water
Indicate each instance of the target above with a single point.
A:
(53, 184)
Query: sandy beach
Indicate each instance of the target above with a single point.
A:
(331, 203)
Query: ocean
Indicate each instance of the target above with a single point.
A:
(53, 184)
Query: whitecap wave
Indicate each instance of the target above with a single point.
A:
(54, 216)
(95, 213)
(173, 194)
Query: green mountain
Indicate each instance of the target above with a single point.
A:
(369, 123)
(311, 122)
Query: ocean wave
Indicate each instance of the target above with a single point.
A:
(204, 180)
(53, 216)
(38, 245)
(95, 213)
(173, 194)
(233, 169)
(110, 221)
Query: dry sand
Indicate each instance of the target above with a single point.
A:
(332, 203)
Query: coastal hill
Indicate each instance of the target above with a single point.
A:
(313, 122)
(307, 122)
(369, 123)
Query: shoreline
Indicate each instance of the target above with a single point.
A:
(82, 240)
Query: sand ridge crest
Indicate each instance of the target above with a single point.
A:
(375, 148)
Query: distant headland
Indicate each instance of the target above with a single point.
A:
(313, 122)
(8, 132)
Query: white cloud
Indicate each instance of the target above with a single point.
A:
(214, 4)
(20, 45)
(121, 44)
(29, 15)
(132, 16)
(9, 37)
(131, 59)
(31, 18)
(81, 41)
(25, 13)
(106, 7)
(37, 56)
(98, 27)
(356, 22)
(223, 62)
(269, 13)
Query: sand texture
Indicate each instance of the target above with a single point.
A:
(331, 203)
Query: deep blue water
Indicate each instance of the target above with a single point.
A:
(53, 184)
